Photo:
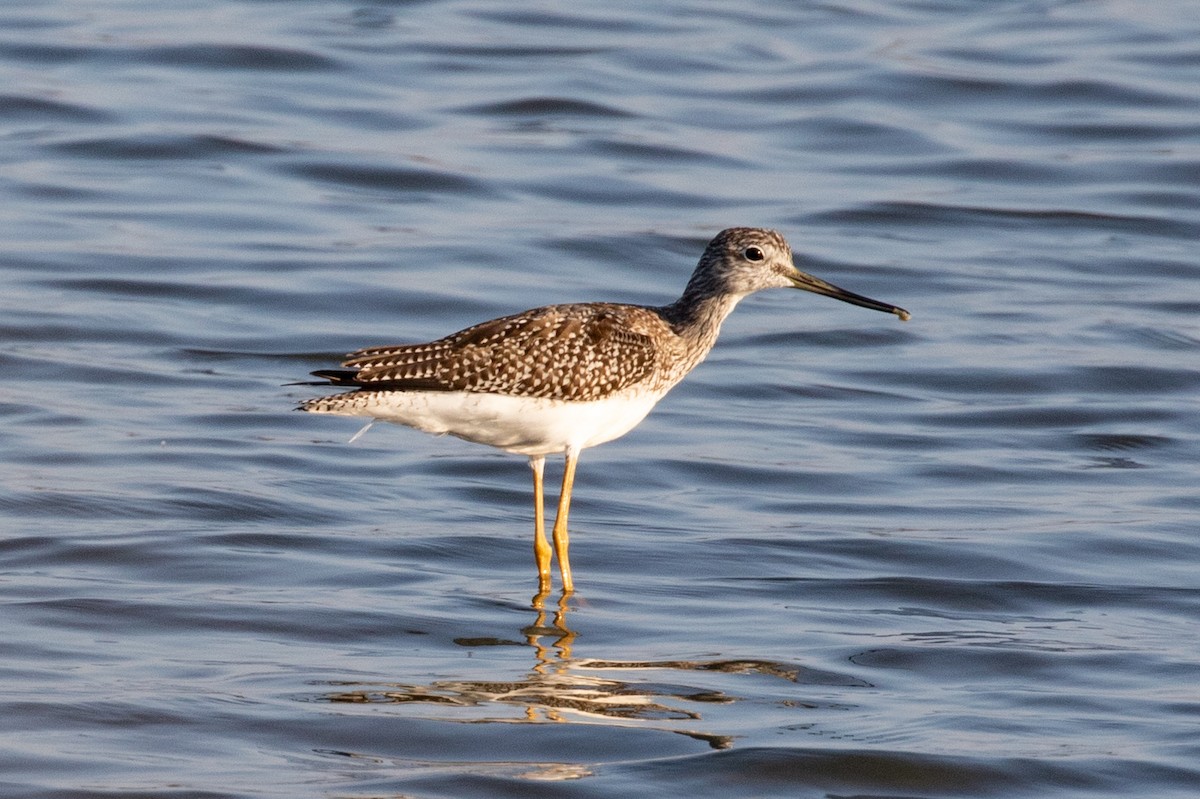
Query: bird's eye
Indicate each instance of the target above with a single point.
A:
(753, 254)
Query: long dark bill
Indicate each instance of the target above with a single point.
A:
(807, 282)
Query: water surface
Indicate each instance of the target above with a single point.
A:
(847, 557)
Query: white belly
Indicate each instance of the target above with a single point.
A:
(522, 425)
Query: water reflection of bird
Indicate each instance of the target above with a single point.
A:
(561, 689)
(561, 378)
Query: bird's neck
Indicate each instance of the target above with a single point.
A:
(698, 314)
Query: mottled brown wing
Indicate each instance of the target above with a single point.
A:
(568, 352)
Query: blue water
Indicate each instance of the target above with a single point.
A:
(849, 556)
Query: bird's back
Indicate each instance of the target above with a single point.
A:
(577, 352)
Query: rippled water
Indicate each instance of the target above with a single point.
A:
(847, 557)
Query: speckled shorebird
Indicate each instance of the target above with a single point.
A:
(566, 377)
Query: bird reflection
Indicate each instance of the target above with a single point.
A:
(562, 636)
(560, 688)
(556, 689)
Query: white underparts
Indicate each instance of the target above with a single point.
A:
(521, 425)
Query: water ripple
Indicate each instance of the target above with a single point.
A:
(848, 556)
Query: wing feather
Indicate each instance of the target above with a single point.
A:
(571, 352)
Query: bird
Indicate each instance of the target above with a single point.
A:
(559, 379)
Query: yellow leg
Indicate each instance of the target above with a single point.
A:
(541, 549)
(560, 522)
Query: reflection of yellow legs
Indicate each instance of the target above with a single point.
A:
(549, 669)
(541, 549)
(564, 635)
